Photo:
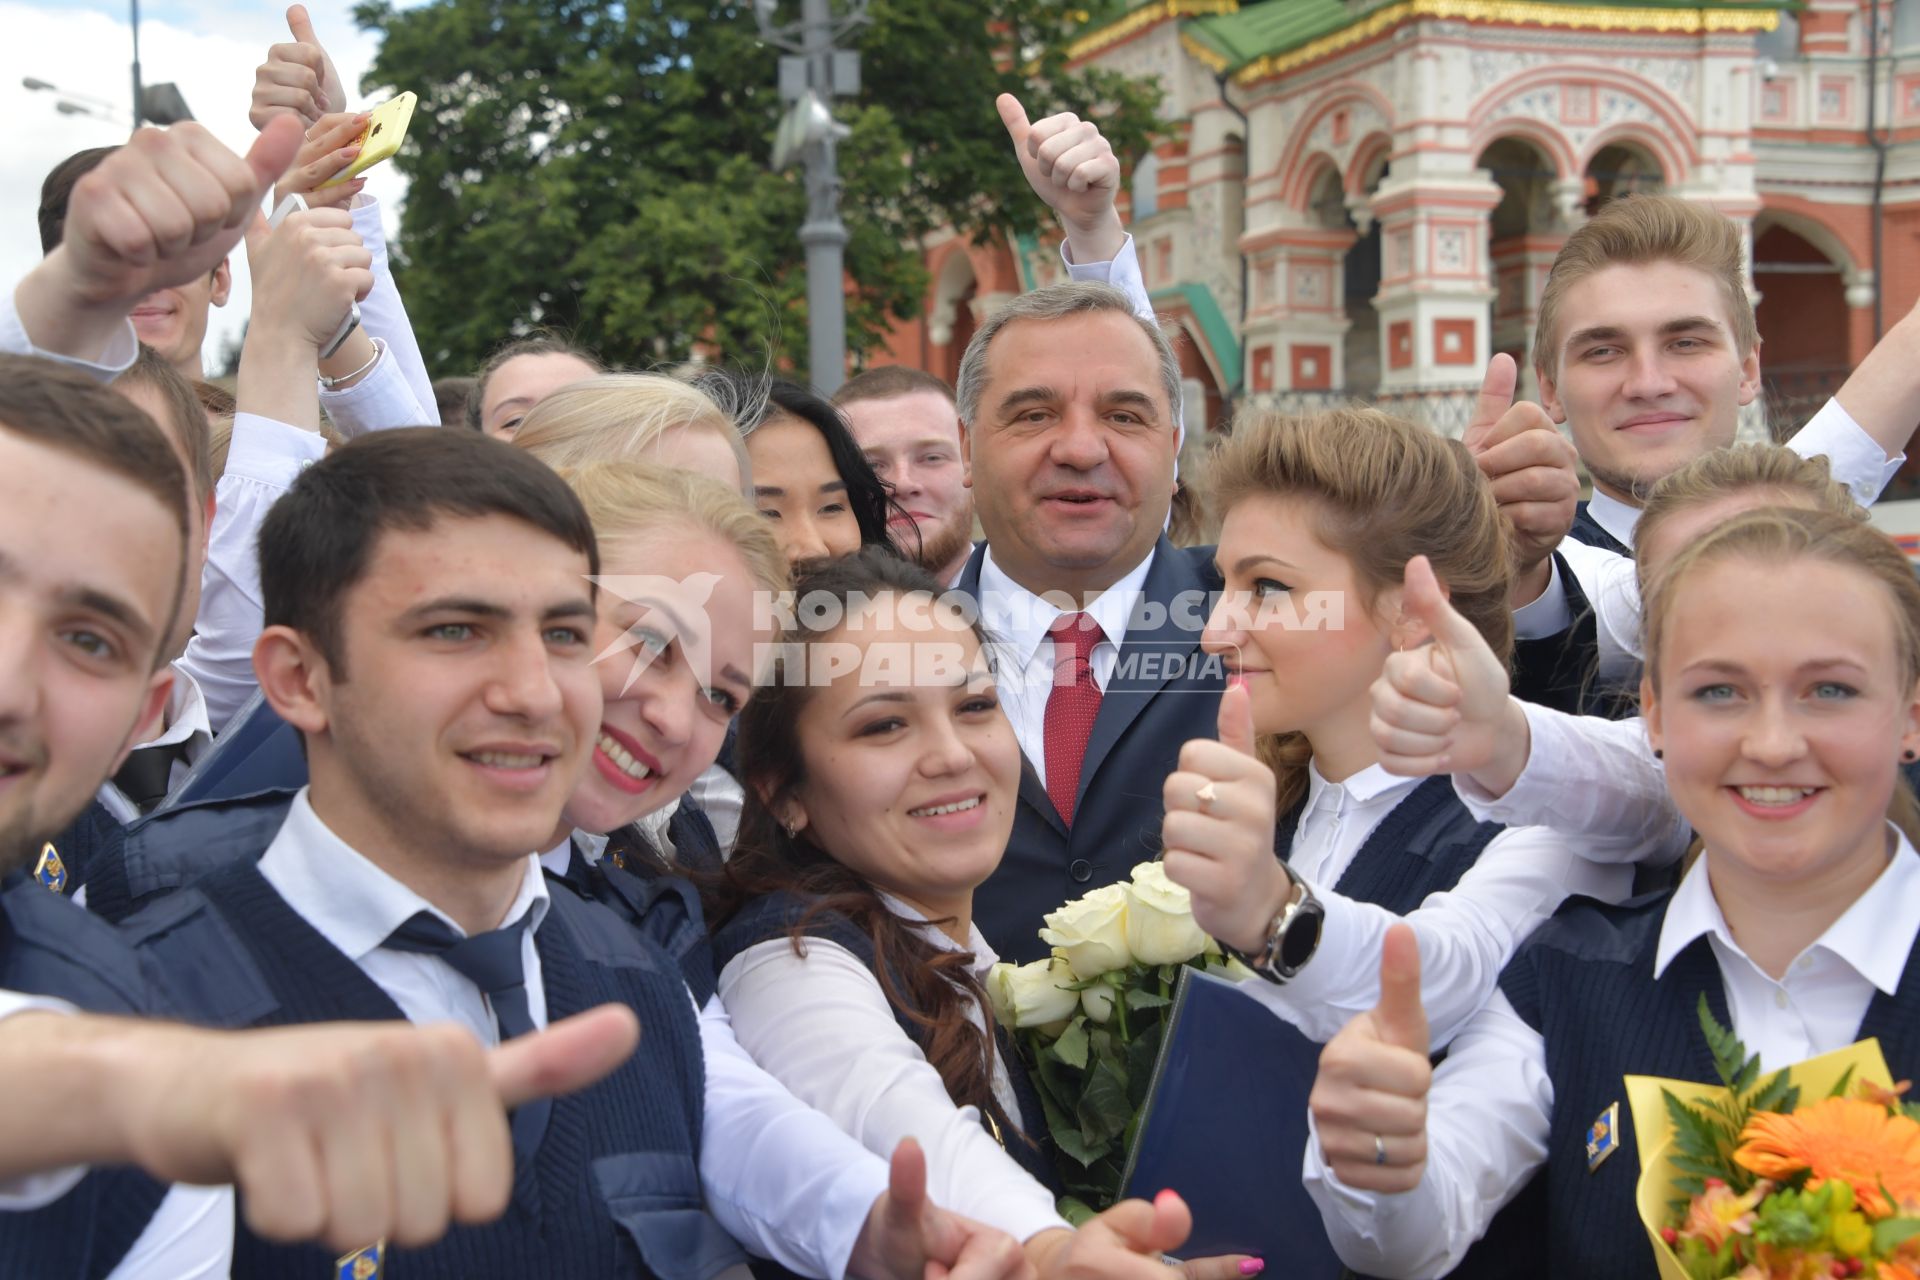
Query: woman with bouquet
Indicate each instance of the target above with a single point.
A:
(1782, 730)
(881, 777)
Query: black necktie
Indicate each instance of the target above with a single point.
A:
(144, 777)
(491, 961)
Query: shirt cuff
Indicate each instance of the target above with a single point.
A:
(1122, 271)
(1856, 458)
(114, 361)
(379, 400)
(1548, 615)
(1534, 786)
(268, 451)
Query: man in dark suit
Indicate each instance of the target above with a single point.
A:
(1069, 403)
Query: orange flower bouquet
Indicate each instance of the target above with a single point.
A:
(1774, 1186)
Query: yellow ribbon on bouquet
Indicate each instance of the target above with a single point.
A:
(1815, 1078)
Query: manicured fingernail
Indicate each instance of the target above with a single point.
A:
(1236, 681)
(1252, 1266)
(348, 153)
(1167, 1196)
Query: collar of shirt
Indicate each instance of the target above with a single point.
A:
(984, 956)
(1873, 937)
(186, 713)
(354, 904)
(1370, 784)
(1613, 515)
(1018, 619)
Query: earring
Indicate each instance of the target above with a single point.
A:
(793, 829)
(1910, 755)
(1658, 754)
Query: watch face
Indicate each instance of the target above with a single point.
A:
(1302, 938)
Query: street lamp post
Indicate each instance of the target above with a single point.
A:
(135, 13)
(810, 78)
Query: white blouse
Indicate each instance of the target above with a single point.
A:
(821, 1024)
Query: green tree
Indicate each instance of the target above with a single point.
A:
(603, 167)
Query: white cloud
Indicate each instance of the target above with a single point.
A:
(210, 52)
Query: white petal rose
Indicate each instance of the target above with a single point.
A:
(1032, 995)
(1160, 926)
(1091, 932)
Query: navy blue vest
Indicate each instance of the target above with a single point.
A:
(665, 908)
(774, 916)
(1421, 848)
(1585, 983)
(169, 849)
(49, 947)
(614, 1189)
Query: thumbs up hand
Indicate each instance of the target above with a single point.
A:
(297, 77)
(1369, 1101)
(1532, 469)
(1444, 707)
(1071, 166)
(1217, 835)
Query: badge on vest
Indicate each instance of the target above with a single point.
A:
(50, 871)
(1603, 1137)
(361, 1264)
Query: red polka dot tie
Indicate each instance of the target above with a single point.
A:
(1071, 707)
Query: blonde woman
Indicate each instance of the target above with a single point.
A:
(637, 417)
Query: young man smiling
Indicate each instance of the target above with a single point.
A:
(1647, 350)
(429, 608)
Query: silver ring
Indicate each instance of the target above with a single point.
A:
(1206, 796)
(1379, 1149)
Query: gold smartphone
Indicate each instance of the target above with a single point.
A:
(385, 132)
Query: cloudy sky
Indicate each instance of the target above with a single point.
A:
(207, 47)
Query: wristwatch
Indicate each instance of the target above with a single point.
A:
(1292, 938)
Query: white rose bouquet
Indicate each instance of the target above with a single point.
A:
(1089, 1020)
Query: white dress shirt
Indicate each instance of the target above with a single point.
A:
(384, 315)
(723, 800)
(186, 723)
(779, 1177)
(1491, 1108)
(262, 462)
(1017, 620)
(1594, 780)
(822, 1024)
(1466, 933)
(1607, 578)
(119, 356)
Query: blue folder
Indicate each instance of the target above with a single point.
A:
(1225, 1125)
(257, 751)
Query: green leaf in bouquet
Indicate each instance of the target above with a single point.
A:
(1070, 1142)
(1142, 1052)
(1843, 1084)
(1737, 1069)
(1141, 998)
(1777, 1094)
(1071, 1047)
(1076, 1211)
(1890, 1233)
(1104, 1110)
(1102, 1041)
(1701, 1140)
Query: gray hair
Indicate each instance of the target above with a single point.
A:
(1057, 302)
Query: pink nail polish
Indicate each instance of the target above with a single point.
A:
(1163, 1197)
(1252, 1266)
(1236, 681)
